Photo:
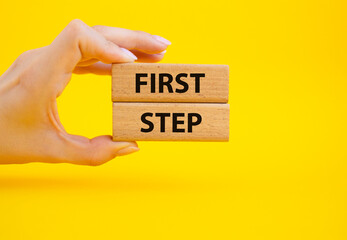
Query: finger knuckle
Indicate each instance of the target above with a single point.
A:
(141, 34)
(24, 60)
(76, 27)
(97, 27)
(76, 22)
(138, 37)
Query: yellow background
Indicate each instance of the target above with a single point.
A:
(281, 176)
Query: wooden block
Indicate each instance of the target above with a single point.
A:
(148, 82)
(170, 121)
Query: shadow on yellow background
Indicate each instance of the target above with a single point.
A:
(282, 175)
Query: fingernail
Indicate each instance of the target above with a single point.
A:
(163, 52)
(129, 54)
(126, 151)
(162, 40)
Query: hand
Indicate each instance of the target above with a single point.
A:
(30, 129)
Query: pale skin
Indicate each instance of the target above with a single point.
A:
(30, 129)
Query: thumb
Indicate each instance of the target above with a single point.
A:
(93, 152)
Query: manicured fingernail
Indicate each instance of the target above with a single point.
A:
(129, 54)
(162, 40)
(126, 151)
(163, 52)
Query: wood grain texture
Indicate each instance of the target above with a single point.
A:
(214, 126)
(214, 86)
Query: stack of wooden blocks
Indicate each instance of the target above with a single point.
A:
(170, 102)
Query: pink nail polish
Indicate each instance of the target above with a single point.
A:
(162, 40)
(129, 54)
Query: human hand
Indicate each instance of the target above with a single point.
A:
(30, 129)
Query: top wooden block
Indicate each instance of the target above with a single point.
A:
(153, 82)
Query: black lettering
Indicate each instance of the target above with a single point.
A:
(145, 121)
(175, 122)
(152, 82)
(182, 83)
(139, 82)
(197, 80)
(190, 120)
(162, 120)
(166, 83)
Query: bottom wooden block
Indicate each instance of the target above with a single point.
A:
(170, 121)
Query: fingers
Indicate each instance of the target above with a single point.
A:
(98, 68)
(93, 152)
(78, 42)
(106, 69)
(148, 58)
(130, 39)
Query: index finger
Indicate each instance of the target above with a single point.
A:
(131, 39)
